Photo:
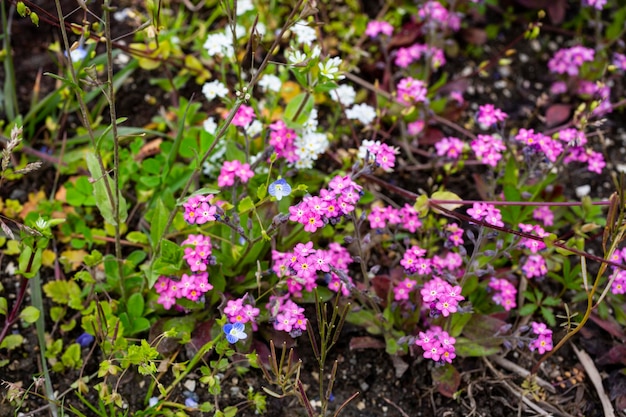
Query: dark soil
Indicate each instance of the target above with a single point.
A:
(386, 386)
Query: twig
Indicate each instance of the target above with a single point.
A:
(510, 366)
(595, 378)
(401, 411)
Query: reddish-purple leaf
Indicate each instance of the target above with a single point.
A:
(366, 342)
(558, 114)
(447, 379)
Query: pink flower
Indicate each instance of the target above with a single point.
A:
(375, 27)
(488, 115)
(243, 116)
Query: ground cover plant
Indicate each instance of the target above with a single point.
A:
(313, 208)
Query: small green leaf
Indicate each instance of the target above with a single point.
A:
(299, 109)
(261, 192)
(421, 205)
(465, 348)
(527, 309)
(3, 306)
(12, 341)
(245, 205)
(135, 305)
(137, 237)
(158, 221)
(101, 192)
(30, 314)
(446, 195)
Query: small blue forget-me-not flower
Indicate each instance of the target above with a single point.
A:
(234, 332)
(279, 189)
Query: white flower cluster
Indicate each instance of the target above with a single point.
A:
(361, 112)
(270, 82)
(219, 44)
(214, 89)
(310, 144)
(305, 34)
(344, 94)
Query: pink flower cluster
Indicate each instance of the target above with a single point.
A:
(450, 147)
(376, 27)
(282, 139)
(338, 200)
(197, 252)
(415, 128)
(551, 148)
(544, 214)
(488, 149)
(569, 60)
(385, 155)
(402, 290)
(435, 16)
(487, 213)
(618, 286)
(579, 153)
(411, 91)
(406, 217)
(244, 116)
(191, 287)
(286, 316)
(414, 261)
(543, 342)
(232, 169)
(300, 267)
(407, 56)
(238, 312)
(534, 266)
(533, 245)
(437, 344)
(199, 210)
(619, 60)
(488, 115)
(441, 297)
(454, 234)
(504, 293)
(597, 4)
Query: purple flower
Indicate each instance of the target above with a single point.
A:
(85, 340)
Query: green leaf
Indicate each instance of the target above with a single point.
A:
(446, 195)
(548, 315)
(3, 306)
(30, 314)
(104, 204)
(12, 341)
(457, 323)
(71, 356)
(158, 221)
(447, 379)
(466, 348)
(527, 310)
(300, 108)
(64, 292)
(245, 205)
(135, 305)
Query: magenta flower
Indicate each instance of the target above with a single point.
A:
(376, 27)
(243, 116)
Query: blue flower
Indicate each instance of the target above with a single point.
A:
(85, 340)
(279, 189)
(234, 332)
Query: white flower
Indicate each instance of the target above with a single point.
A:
(361, 112)
(254, 128)
(214, 89)
(330, 69)
(296, 57)
(244, 6)
(240, 31)
(344, 94)
(218, 44)
(305, 34)
(311, 124)
(270, 82)
(365, 145)
(210, 126)
(316, 51)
